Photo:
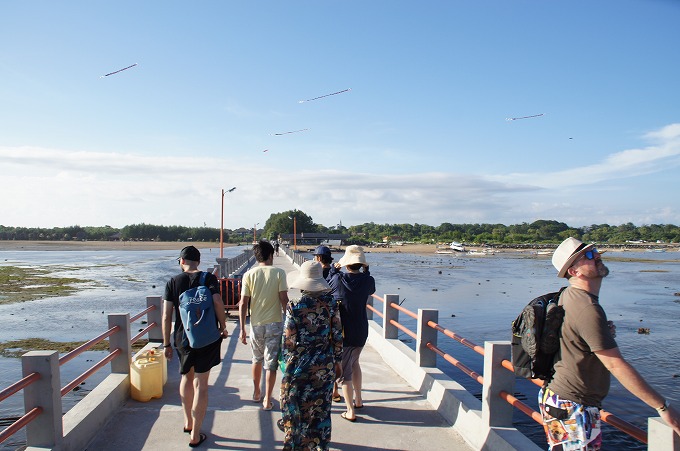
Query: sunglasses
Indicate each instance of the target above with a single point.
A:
(591, 254)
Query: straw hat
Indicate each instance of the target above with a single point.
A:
(310, 277)
(353, 254)
(567, 253)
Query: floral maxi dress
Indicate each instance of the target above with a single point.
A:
(312, 343)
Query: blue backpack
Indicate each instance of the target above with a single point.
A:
(197, 311)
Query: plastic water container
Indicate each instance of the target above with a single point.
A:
(147, 376)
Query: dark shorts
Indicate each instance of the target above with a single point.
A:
(350, 357)
(202, 360)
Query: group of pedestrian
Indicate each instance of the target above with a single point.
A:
(319, 336)
(320, 339)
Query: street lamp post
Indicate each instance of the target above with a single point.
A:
(294, 218)
(222, 222)
(255, 233)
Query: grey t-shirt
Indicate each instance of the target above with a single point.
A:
(579, 374)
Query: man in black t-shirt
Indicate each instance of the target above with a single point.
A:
(195, 364)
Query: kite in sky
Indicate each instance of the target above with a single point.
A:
(265, 150)
(287, 133)
(119, 70)
(523, 117)
(325, 95)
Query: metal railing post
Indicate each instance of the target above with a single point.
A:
(47, 430)
(660, 436)
(390, 331)
(121, 340)
(155, 316)
(426, 357)
(495, 411)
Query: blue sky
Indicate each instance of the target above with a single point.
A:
(422, 136)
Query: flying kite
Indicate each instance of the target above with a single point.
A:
(523, 117)
(325, 95)
(119, 70)
(287, 133)
(265, 150)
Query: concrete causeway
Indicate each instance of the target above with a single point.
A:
(395, 417)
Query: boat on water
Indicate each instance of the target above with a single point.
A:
(456, 246)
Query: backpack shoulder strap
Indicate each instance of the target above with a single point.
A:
(201, 281)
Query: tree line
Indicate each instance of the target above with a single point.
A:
(538, 232)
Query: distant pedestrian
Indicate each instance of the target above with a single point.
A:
(571, 402)
(276, 248)
(322, 254)
(312, 352)
(351, 290)
(194, 364)
(264, 289)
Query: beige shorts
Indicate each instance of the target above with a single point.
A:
(265, 341)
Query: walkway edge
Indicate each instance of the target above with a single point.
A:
(450, 399)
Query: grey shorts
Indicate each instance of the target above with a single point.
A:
(265, 341)
(350, 357)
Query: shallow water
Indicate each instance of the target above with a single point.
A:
(477, 297)
(121, 280)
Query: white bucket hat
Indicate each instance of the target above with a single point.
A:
(310, 277)
(567, 253)
(353, 254)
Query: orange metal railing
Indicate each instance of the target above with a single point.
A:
(17, 425)
(607, 417)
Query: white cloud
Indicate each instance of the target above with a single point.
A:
(54, 187)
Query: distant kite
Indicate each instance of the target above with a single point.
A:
(287, 133)
(119, 70)
(326, 95)
(265, 150)
(523, 117)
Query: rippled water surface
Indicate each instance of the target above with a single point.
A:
(477, 297)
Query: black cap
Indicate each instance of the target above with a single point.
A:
(190, 253)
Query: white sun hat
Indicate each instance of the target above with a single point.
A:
(310, 278)
(567, 253)
(353, 254)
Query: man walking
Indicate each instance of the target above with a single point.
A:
(571, 402)
(264, 288)
(194, 364)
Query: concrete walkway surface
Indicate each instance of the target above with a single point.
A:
(395, 416)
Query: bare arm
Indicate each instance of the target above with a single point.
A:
(283, 299)
(625, 373)
(168, 308)
(221, 315)
(242, 311)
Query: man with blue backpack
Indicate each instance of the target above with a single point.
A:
(200, 325)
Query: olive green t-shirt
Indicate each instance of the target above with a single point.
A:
(579, 374)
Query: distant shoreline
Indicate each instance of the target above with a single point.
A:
(15, 245)
(419, 249)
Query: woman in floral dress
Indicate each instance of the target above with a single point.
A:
(312, 352)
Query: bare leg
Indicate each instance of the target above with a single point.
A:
(356, 382)
(200, 404)
(257, 380)
(348, 393)
(186, 393)
(270, 380)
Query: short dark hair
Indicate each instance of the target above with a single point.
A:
(325, 259)
(263, 250)
(355, 266)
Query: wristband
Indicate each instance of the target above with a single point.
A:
(664, 407)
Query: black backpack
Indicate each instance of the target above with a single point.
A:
(536, 337)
